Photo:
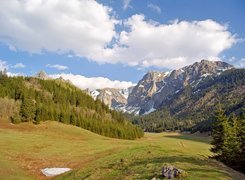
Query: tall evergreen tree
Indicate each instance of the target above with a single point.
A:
(218, 133)
(241, 157)
(27, 109)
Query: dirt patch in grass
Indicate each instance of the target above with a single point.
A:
(28, 126)
(33, 165)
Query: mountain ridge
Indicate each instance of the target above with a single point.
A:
(156, 87)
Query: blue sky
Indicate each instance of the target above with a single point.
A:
(119, 39)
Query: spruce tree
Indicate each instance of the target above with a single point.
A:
(27, 109)
(218, 133)
(234, 140)
(229, 143)
(241, 157)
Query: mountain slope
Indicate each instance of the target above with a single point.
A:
(196, 103)
(39, 100)
(141, 95)
(171, 83)
(114, 98)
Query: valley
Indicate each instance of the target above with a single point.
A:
(26, 148)
(122, 90)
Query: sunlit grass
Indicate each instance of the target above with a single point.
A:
(26, 148)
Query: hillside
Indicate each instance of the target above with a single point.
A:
(35, 99)
(195, 104)
(26, 148)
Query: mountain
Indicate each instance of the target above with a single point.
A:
(42, 75)
(156, 88)
(33, 99)
(140, 97)
(193, 106)
(115, 98)
(181, 98)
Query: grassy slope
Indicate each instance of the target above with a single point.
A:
(26, 148)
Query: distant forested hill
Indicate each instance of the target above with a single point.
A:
(193, 107)
(32, 99)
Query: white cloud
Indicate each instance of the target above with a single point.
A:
(93, 82)
(81, 26)
(86, 28)
(10, 74)
(3, 65)
(57, 66)
(148, 43)
(126, 4)
(240, 63)
(18, 65)
(155, 7)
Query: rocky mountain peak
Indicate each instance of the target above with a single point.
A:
(42, 75)
(205, 66)
(114, 98)
(153, 76)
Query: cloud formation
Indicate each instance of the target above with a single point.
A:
(18, 65)
(81, 26)
(241, 63)
(148, 43)
(155, 8)
(86, 28)
(57, 66)
(93, 82)
(3, 65)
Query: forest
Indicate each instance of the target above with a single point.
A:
(29, 99)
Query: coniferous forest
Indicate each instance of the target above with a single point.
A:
(34, 100)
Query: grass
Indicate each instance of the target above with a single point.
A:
(27, 148)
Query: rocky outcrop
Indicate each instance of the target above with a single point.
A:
(171, 172)
(114, 98)
(141, 95)
(42, 75)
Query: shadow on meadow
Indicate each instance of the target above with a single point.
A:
(206, 140)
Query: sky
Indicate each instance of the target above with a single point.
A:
(113, 43)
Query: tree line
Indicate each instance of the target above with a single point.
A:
(60, 101)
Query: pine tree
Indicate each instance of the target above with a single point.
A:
(234, 140)
(218, 133)
(229, 143)
(38, 117)
(241, 156)
(27, 109)
(73, 118)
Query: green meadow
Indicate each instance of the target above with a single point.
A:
(26, 148)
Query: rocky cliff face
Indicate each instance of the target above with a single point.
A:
(141, 95)
(114, 98)
(157, 88)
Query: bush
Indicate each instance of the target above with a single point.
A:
(15, 119)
